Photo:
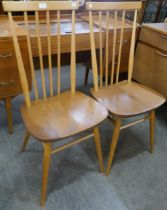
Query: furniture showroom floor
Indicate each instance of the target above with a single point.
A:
(138, 179)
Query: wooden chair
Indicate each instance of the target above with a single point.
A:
(53, 117)
(127, 98)
(125, 45)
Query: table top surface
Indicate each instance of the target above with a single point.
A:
(82, 25)
(159, 27)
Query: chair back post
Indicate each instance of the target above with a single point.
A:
(110, 14)
(38, 39)
(73, 54)
(93, 51)
(132, 49)
(20, 64)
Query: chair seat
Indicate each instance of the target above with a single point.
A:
(62, 116)
(128, 99)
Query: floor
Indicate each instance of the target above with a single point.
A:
(138, 179)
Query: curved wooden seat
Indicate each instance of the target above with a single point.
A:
(128, 99)
(62, 116)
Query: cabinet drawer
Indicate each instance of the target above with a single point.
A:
(9, 76)
(154, 38)
(7, 54)
(9, 82)
(150, 68)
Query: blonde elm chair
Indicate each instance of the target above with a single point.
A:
(126, 98)
(53, 117)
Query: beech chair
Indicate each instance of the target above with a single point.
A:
(53, 117)
(126, 98)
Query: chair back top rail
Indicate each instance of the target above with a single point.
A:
(104, 6)
(51, 39)
(109, 61)
(13, 6)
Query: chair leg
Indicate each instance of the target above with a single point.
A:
(26, 138)
(86, 75)
(46, 163)
(113, 144)
(98, 148)
(152, 128)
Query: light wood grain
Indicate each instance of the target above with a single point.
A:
(20, 64)
(93, 53)
(114, 47)
(30, 55)
(152, 129)
(113, 6)
(125, 100)
(98, 148)
(49, 54)
(132, 48)
(106, 47)
(120, 46)
(39, 6)
(46, 164)
(40, 54)
(150, 68)
(25, 142)
(154, 38)
(73, 55)
(113, 145)
(58, 53)
(116, 29)
(101, 48)
(52, 118)
(65, 115)
(157, 27)
(9, 78)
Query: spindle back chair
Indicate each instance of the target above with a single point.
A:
(122, 99)
(109, 16)
(52, 117)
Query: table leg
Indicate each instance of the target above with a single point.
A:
(9, 114)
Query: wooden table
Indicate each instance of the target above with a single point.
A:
(150, 67)
(9, 79)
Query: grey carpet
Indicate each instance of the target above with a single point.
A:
(138, 179)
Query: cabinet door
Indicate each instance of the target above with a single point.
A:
(150, 68)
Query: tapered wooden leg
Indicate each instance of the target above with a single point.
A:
(46, 163)
(86, 75)
(98, 148)
(9, 114)
(152, 128)
(113, 144)
(26, 138)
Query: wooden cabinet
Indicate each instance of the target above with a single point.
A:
(150, 66)
(153, 38)
(9, 78)
(10, 85)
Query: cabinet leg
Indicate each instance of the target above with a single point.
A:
(9, 114)
(152, 128)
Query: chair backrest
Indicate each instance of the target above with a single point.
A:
(43, 35)
(112, 24)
